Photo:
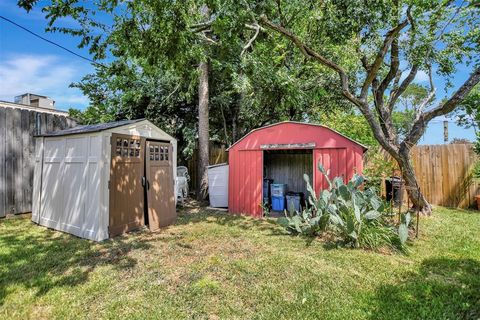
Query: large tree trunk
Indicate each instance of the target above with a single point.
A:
(203, 129)
(408, 175)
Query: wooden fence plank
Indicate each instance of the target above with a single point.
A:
(444, 174)
(17, 151)
(3, 180)
(17, 161)
(9, 160)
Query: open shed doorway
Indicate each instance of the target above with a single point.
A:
(288, 167)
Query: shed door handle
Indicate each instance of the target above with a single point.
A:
(143, 181)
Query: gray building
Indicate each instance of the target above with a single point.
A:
(35, 100)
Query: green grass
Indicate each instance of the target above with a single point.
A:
(218, 266)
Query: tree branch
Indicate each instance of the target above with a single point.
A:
(362, 105)
(456, 98)
(310, 53)
(389, 37)
(250, 42)
(395, 94)
(444, 108)
(430, 96)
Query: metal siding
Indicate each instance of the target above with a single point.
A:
(342, 164)
(294, 133)
(335, 152)
(350, 163)
(245, 182)
(339, 161)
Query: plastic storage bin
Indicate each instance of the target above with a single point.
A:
(278, 203)
(295, 200)
(278, 189)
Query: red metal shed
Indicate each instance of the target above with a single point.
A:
(285, 151)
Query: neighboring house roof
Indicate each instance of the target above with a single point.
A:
(6, 104)
(90, 128)
(302, 123)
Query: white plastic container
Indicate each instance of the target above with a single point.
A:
(218, 185)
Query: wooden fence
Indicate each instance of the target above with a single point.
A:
(218, 154)
(18, 125)
(443, 172)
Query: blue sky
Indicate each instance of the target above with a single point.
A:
(28, 64)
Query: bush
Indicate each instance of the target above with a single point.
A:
(357, 217)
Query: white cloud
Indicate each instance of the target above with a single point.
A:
(44, 74)
(421, 77)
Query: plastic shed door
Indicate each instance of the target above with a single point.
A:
(218, 185)
(160, 185)
(126, 190)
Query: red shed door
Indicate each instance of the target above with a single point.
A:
(245, 182)
(333, 159)
(160, 185)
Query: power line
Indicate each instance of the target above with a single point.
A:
(51, 42)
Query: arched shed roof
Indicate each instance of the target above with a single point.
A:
(293, 132)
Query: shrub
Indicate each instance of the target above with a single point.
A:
(357, 217)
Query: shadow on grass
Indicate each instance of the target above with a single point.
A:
(35, 257)
(230, 220)
(442, 289)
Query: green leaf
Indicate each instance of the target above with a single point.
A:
(350, 225)
(284, 222)
(336, 220)
(321, 168)
(314, 221)
(324, 222)
(403, 233)
(408, 218)
(357, 180)
(356, 210)
(376, 203)
(372, 215)
(344, 193)
(296, 223)
(326, 196)
(337, 182)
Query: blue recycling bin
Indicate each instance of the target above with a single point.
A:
(278, 189)
(278, 203)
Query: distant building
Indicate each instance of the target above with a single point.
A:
(35, 100)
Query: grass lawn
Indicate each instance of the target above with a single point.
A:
(216, 266)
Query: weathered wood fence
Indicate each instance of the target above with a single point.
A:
(443, 172)
(18, 125)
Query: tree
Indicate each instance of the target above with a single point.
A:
(468, 113)
(154, 49)
(424, 35)
(145, 35)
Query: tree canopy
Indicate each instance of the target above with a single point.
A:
(274, 60)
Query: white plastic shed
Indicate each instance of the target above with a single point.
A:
(98, 181)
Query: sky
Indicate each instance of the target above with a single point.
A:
(29, 64)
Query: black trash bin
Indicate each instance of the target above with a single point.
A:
(266, 191)
(394, 188)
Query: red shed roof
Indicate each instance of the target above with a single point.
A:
(293, 136)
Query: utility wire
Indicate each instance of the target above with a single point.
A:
(51, 42)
